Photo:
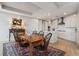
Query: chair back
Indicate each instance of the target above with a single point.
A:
(34, 32)
(41, 33)
(16, 32)
(20, 35)
(22, 40)
(47, 40)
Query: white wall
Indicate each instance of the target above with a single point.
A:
(32, 25)
(45, 25)
(42, 25)
(4, 24)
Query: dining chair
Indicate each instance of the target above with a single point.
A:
(34, 32)
(44, 46)
(22, 42)
(41, 33)
(23, 39)
(47, 40)
(15, 33)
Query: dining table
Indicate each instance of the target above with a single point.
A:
(34, 40)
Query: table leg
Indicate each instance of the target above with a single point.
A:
(30, 49)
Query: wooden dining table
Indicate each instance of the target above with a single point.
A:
(33, 40)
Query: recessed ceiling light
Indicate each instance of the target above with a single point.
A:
(74, 15)
(48, 14)
(65, 13)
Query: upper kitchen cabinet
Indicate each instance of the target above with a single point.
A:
(70, 21)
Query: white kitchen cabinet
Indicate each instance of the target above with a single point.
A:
(61, 34)
(77, 36)
(70, 21)
(77, 41)
(68, 33)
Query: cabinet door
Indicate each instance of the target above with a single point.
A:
(70, 34)
(70, 21)
(61, 35)
(77, 40)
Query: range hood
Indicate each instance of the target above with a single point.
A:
(61, 21)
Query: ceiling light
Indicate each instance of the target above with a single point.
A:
(65, 13)
(48, 14)
(74, 15)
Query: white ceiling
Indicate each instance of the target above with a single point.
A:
(24, 6)
(43, 10)
(51, 10)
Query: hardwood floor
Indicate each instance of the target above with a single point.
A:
(70, 48)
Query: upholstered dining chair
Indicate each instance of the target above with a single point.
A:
(45, 44)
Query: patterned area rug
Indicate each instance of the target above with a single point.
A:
(10, 49)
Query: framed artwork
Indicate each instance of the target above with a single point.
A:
(17, 22)
(14, 21)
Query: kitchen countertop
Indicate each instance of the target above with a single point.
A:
(61, 30)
